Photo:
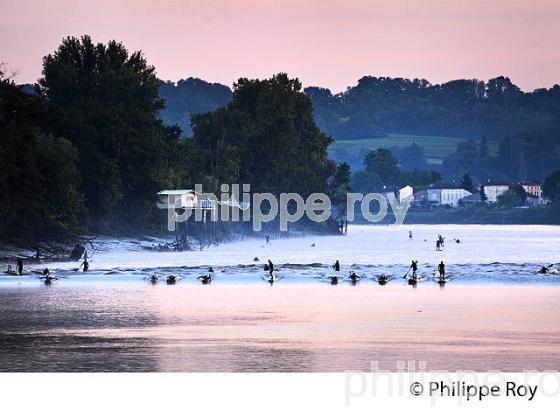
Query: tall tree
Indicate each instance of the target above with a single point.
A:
(383, 163)
(483, 150)
(551, 186)
(467, 183)
(39, 180)
(269, 138)
(106, 100)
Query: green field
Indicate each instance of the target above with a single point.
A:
(435, 148)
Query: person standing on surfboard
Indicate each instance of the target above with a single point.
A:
(441, 270)
(19, 266)
(270, 269)
(414, 267)
(337, 266)
(85, 263)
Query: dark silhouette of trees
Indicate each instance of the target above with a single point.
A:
(551, 186)
(105, 100)
(265, 136)
(467, 183)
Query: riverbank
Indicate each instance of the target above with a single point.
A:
(485, 215)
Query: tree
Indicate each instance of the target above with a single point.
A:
(483, 150)
(483, 197)
(383, 163)
(551, 186)
(514, 196)
(269, 136)
(366, 182)
(39, 180)
(339, 187)
(467, 183)
(412, 157)
(105, 102)
(188, 97)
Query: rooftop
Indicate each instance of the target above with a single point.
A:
(176, 191)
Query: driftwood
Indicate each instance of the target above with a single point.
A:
(53, 248)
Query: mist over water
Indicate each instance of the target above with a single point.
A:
(486, 254)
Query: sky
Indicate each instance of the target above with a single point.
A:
(328, 43)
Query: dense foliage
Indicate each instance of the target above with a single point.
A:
(87, 150)
(461, 108)
(105, 102)
(383, 173)
(39, 179)
(551, 186)
(266, 137)
(525, 125)
(188, 97)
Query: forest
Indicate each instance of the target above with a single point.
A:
(471, 115)
(88, 146)
(86, 150)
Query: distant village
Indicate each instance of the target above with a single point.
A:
(494, 192)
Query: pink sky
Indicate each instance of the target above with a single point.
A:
(330, 43)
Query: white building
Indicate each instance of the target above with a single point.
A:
(190, 199)
(447, 195)
(180, 198)
(494, 189)
(532, 188)
(406, 192)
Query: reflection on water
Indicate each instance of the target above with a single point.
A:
(121, 326)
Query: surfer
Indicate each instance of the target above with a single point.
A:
(438, 245)
(47, 278)
(85, 263)
(543, 269)
(271, 269)
(255, 259)
(414, 267)
(334, 280)
(19, 266)
(441, 270)
(410, 235)
(353, 277)
(267, 237)
(172, 279)
(336, 266)
(205, 279)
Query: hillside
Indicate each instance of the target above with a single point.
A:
(188, 97)
(436, 149)
(426, 126)
(467, 109)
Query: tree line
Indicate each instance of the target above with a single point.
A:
(465, 109)
(88, 151)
